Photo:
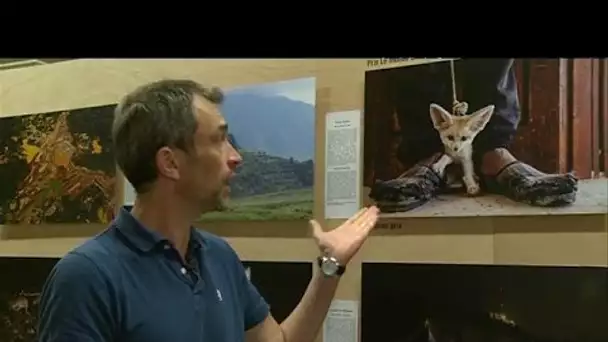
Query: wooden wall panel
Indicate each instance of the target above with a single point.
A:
(582, 120)
(86, 82)
(540, 133)
(604, 114)
(567, 240)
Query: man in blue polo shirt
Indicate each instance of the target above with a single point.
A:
(151, 277)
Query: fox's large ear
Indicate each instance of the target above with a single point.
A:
(441, 117)
(480, 118)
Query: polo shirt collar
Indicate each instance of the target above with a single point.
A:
(143, 238)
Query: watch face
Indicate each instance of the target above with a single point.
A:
(329, 268)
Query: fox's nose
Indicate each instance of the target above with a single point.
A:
(455, 149)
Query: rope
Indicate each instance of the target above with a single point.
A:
(458, 108)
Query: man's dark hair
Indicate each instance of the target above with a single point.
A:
(152, 116)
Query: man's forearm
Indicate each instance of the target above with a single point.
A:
(305, 321)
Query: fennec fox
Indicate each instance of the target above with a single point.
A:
(457, 134)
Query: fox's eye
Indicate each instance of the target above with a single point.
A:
(464, 138)
(451, 137)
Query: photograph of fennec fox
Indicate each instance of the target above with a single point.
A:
(457, 133)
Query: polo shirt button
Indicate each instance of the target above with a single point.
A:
(166, 247)
(184, 271)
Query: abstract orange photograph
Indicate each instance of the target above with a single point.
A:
(57, 167)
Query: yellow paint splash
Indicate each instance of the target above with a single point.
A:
(29, 151)
(96, 147)
(101, 215)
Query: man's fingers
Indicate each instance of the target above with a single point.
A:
(363, 221)
(372, 224)
(368, 220)
(362, 230)
(356, 216)
(365, 214)
(368, 225)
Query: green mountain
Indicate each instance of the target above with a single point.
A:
(261, 173)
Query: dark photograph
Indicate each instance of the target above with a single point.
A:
(22, 281)
(474, 303)
(282, 284)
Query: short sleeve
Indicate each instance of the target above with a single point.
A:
(256, 308)
(76, 303)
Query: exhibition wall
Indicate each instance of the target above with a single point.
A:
(291, 101)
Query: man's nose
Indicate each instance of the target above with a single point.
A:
(235, 159)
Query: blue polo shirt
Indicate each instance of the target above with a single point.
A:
(129, 284)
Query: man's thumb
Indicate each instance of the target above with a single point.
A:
(316, 228)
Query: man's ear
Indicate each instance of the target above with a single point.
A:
(167, 163)
(441, 117)
(480, 118)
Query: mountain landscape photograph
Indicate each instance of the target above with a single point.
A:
(273, 128)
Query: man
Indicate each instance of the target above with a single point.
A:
(152, 277)
(484, 81)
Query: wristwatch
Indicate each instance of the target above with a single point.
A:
(330, 266)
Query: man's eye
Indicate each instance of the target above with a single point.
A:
(233, 141)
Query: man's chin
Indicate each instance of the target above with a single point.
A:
(222, 201)
(222, 204)
(221, 208)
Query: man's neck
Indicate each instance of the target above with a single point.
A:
(165, 217)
